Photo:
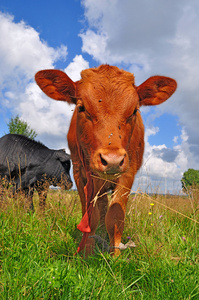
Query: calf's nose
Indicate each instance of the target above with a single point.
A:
(112, 163)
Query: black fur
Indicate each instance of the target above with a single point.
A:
(28, 164)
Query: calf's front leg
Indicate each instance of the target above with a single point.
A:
(115, 219)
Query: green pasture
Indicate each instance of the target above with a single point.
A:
(37, 251)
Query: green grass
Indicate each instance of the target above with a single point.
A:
(37, 252)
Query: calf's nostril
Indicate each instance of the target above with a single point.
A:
(103, 161)
(122, 162)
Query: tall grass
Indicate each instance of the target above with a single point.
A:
(37, 251)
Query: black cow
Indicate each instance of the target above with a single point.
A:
(30, 165)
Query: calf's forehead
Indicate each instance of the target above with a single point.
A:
(107, 84)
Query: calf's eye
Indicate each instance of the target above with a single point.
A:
(134, 113)
(131, 116)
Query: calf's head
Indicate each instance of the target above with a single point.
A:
(59, 168)
(107, 112)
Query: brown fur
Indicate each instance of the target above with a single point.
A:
(106, 139)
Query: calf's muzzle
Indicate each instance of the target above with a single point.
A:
(111, 162)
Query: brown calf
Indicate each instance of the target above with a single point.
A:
(106, 139)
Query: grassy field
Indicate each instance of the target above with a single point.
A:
(37, 251)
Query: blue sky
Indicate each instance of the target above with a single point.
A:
(144, 37)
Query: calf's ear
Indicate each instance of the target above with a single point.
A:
(56, 85)
(156, 90)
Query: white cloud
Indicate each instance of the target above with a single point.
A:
(163, 167)
(133, 31)
(21, 50)
(95, 45)
(74, 69)
(175, 139)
